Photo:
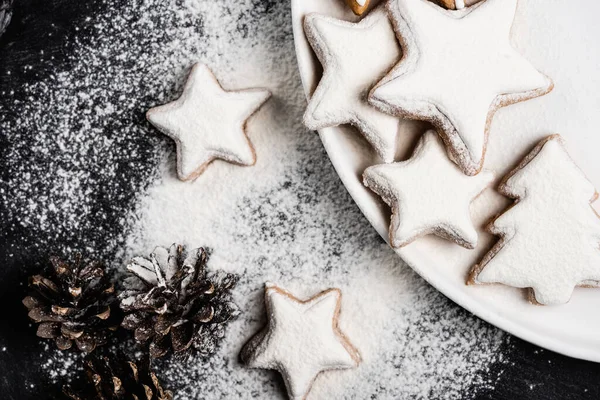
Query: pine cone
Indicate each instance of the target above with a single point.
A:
(175, 304)
(118, 380)
(74, 303)
(5, 14)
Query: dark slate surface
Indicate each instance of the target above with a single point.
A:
(528, 372)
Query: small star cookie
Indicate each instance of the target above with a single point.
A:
(342, 94)
(428, 194)
(302, 339)
(458, 68)
(208, 122)
(550, 237)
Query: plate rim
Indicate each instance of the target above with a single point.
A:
(460, 298)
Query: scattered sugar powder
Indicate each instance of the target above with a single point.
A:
(61, 366)
(288, 219)
(304, 233)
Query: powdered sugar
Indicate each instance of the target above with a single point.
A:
(287, 219)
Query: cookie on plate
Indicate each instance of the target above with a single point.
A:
(457, 69)
(550, 237)
(428, 194)
(354, 57)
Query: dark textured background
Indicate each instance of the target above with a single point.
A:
(527, 372)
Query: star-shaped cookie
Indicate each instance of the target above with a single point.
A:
(302, 339)
(208, 122)
(428, 194)
(458, 68)
(355, 56)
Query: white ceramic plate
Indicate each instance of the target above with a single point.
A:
(559, 38)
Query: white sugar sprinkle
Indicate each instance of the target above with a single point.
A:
(287, 220)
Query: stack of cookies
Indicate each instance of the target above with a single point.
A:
(450, 64)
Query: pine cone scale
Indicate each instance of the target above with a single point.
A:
(63, 343)
(44, 315)
(104, 315)
(164, 322)
(71, 331)
(204, 315)
(44, 284)
(132, 321)
(182, 336)
(159, 347)
(143, 333)
(48, 330)
(86, 343)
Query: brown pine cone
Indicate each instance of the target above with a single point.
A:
(175, 305)
(121, 380)
(74, 303)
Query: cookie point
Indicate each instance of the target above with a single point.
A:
(335, 292)
(270, 285)
(150, 115)
(266, 94)
(473, 277)
(200, 66)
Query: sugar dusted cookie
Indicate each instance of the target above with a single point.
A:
(354, 57)
(208, 122)
(457, 69)
(358, 6)
(550, 237)
(428, 194)
(302, 339)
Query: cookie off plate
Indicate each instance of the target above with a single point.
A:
(557, 37)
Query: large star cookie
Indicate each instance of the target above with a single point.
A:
(550, 237)
(301, 340)
(354, 56)
(208, 122)
(428, 194)
(458, 68)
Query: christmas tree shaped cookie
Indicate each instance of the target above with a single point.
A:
(550, 237)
